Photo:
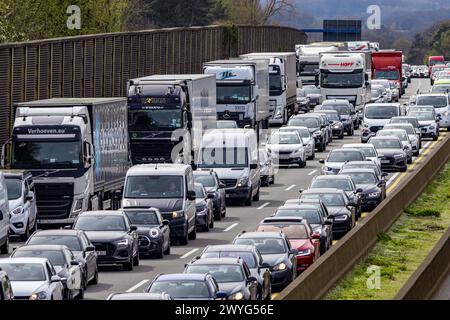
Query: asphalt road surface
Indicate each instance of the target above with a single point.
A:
(288, 183)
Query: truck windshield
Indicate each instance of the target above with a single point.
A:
(387, 74)
(224, 158)
(239, 94)
(342, 80)
(154, 187)
(47, 154)
(276, 86)
(155, 119)
(308, 69)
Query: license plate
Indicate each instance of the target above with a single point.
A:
(385, 161)
(101, 253)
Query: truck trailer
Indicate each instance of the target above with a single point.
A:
(77, 151)
(387, 64)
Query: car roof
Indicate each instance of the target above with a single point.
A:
(385, 138)
(325, 190)
(217, 261)
(138, 296)
(261, 235)
(42, 247)
(181, 277)
(102, 213)
(357, 145)
(158, 169)
(357, 170)
(345, 150)
(24, 260)
(57, 232)
(230, 247)
(292, 205)
(333, 177)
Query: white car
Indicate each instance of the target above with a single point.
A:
(412, 134)
(64, 262)
(338, 157)
(369, 151)
(376, 115)
(428, 121)
(33, 279)
(308, 140)
(287, 148)
(404, 138)
(387, 86)
(441, 104)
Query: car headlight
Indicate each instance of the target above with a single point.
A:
(154, 233)
(336, 126)
(341, 218)
(177, 214)
(302, 253)
(243, 182)
(445, 114)
(280, 267)
(236, 296)
(202, 210)
(39, 296)
(298, 151)
(122, 243)
(18, 210)
(398, 156)
(374, 195)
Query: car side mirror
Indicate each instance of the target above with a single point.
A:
(265, 265)
(359, 190)
(74, 263)
(322, 161)
(133, 228)
(315, 236)
(301, 191)
(293, 252)
(352, 204)
(210, 196)
(385, 174)
(55, 279)
(222, 185)
(329, 222)
(191, 195)
(380, 183)
(221, 295)
(90, 248)
(166, 222)
(253, 166)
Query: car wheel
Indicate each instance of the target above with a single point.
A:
(167, 252)
(24, 237)
(410, 160)
(435, 138)
(248, 201)
(272, 179)
(129, 265)
(256, 197)
(211, 224)
(224, 213)
(136, 259)
(403, 169)
(416, 154)
(193, 234)
(206, 227)
(160, 254)
(184, 240)
(4, 249)
(341, 136)
(302, 164)
(80, 295)
(95, 278)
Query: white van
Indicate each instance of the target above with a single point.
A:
(233, 154)
(4, 216)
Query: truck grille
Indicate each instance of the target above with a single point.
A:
(153, 152)
(234, 116)
(54, 201)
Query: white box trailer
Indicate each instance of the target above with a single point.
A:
(168, 115)
(283, 83)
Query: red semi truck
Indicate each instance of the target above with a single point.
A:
(388, 65)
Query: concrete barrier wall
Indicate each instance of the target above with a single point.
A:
(325, 274)
(100, 65)
(424, 282)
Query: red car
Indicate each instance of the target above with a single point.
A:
(300, 235)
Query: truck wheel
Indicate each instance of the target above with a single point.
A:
(193, 234)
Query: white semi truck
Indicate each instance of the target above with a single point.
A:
(77, 151)
(168, 115)
(242, 91)
(282, 83)
(308, 57)
(344, 75)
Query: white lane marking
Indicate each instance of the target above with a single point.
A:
(312, 172)
(140, 284)
(263, 206)
(290, 188)
(231, 227)
(189, 253)
(392, 179)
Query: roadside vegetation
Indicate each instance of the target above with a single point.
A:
(401, 250)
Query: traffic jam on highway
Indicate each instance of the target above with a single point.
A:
(225, 185)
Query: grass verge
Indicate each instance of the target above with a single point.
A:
(400, 251)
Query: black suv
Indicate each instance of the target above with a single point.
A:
(210, 180)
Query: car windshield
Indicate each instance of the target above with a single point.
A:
(423, 115)
(343, 110)
(381, 112)
(333, 116)
(304, 133)
(248, 257)
(375, 94)
(400, 134)
(224, 158)
(265, 246)
(292, 231)
(341, 80)
(155, 119)
(311, 215)
(284, 138)
(362, 177)
(344, 156)
(387, 74)
(369, 152)
(182, 289)
(330, 200)
(154, 187)
(238, 94)
(414, 122)
(56, 258)
(311, 123)
(222, 273)
(409, 130)
(207, 181)
(340, 184)
(137, 217)
(386, 143)
(24, 271)
(435, 101)
(70, 242)
(199, 193)
(100, 223)
(14, 188)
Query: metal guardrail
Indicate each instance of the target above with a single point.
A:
(425, 281)
(99, 65)
(325, 274)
